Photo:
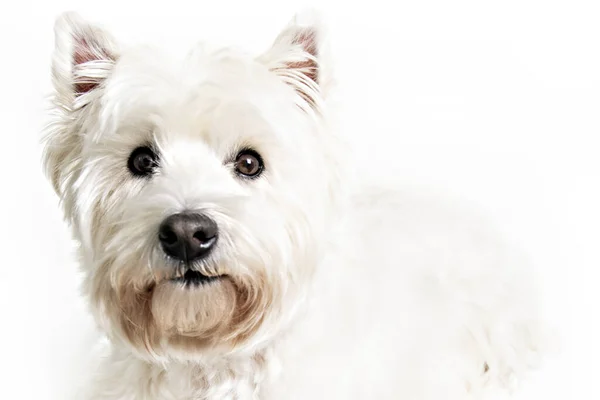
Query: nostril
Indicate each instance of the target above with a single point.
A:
(167, 236)
(203, 236)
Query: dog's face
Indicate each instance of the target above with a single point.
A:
(200, 191)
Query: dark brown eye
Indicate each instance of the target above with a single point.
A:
(249, 164)
(142, 161)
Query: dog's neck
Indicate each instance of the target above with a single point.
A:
(218, 378)
(238, 376)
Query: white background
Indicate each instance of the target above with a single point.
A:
(498, 104)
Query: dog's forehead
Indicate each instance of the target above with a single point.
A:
(164, 78)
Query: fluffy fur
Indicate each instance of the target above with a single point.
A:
(330, 290)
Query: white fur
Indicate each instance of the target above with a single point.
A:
(360, 291)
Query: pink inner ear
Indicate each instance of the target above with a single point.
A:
(85, 51)
(308, 40)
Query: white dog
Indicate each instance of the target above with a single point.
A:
(227, 255)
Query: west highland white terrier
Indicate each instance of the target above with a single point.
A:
(229, 254)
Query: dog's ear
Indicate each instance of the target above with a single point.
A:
(83, 57)
(297, 56)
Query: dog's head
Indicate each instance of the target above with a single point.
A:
(200, 191)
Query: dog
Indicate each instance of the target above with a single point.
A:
(230, 252)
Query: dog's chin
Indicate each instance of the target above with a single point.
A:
(194, 305)
(189, 311)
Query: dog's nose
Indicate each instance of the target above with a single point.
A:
(187, 236)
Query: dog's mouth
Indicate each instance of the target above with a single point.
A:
(192, 278)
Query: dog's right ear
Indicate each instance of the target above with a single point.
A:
(83, 57)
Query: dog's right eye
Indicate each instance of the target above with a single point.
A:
(143, 161)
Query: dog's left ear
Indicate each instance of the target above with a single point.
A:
(83, 57)
(297, 56)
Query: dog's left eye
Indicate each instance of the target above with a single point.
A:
(142, 161)
(249, 164)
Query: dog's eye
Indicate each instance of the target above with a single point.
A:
(249, 164)
(142, 161)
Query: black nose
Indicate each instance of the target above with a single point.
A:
(187, 236)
